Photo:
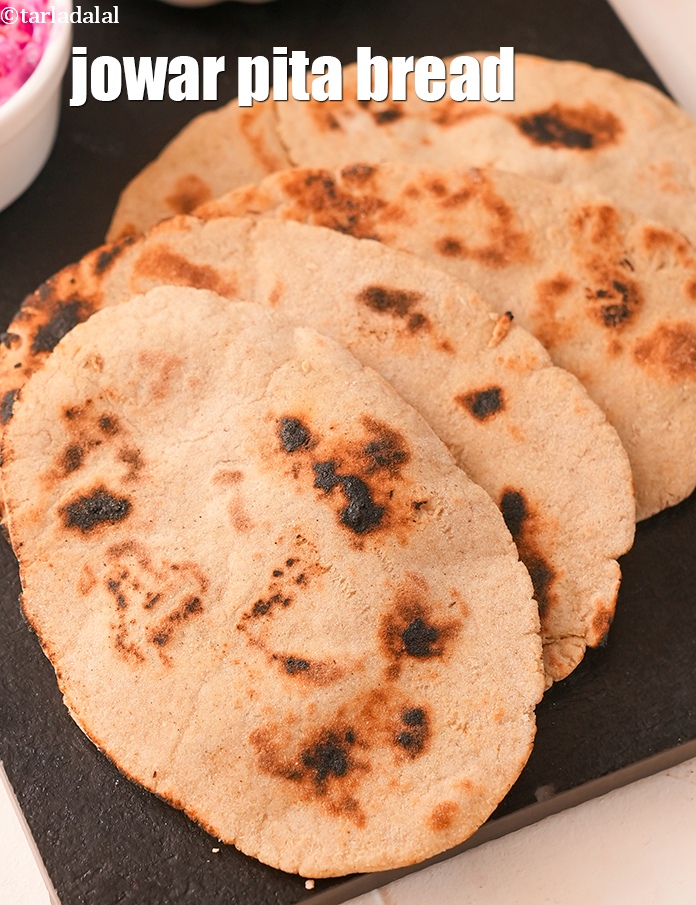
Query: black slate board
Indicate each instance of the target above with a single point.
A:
(105, 840)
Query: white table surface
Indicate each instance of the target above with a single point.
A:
(633, 846)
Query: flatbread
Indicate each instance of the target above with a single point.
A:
(220, 148)
(588, 129)
(611, 297)
(572, 124)
(269, 594)
(524, 430)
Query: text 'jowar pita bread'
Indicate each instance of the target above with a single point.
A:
(523, 429)
(319, 641)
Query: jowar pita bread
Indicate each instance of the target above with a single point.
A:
(317, 639)
(526, 431)
(586, 128)
(612, 298)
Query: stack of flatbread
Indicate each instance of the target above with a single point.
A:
(316, 485)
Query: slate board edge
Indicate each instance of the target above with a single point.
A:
(29, 838)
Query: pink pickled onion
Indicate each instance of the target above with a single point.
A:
(21, 43)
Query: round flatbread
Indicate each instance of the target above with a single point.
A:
(612, 298)
(523, 429)
(589, 129)
(269, 594)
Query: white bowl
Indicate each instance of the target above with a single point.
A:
(29, 119)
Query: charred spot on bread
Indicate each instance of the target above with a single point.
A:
(326, 182)
(66, 316)
(293, 434)
(108, 424)
(398, 302)
(412, 739)
(7, 405)
(550, 129)
(262, 607)
(324, 770)
(72, 458)
(361, 514)
(325, 201)
(387, 116)
(482, 404)
(162, 633)
(542, 576)
(296, 664)
(325, 476)
(154, 599)
(133, 459)
(619, 301)
(413, 628)
(577, 128)
(358, 475)
(100, 507)
(110, 253)
(514, 508)
(313, 672)
(327, 758)
(613, 315)
(419, 639)
(387, 450)
(519, 518)
(414, 717)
